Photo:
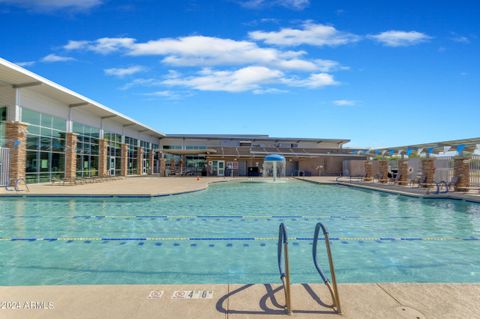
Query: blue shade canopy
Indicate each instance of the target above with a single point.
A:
(274, 158)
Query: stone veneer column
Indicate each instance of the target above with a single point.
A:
(16, 134)
(140, 160)
(428, 169)
(102, 158)
(383, 169)
(368, 170)
(152, 162)
(461, 169)
(163, 167)
(124, 159)
(71, 156)
(403, 170)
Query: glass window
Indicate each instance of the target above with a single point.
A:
(32, 142)
(32, 162)
(3, 119)
(114, 159)
(30, 117)
(87, 149)
(3, 113)
(45, 146)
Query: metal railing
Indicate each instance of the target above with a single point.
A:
(284, 273)
(443, 169)
(333, 287)
(475, 171)
(4, 166)
(17, 184)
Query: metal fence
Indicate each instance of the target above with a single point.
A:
(4, 165)
(475, 171)
(443, 168)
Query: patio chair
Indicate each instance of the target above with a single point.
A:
(452, 184)
(422, 183)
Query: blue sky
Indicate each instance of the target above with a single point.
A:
(381, 73)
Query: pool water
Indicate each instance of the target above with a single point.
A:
(228, 234)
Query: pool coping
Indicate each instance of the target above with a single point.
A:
(451, 196)
(142, 196)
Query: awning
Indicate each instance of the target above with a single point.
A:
(189, 152)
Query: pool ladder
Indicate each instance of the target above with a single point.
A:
(285, 272)
(284, 275)
(333, 286)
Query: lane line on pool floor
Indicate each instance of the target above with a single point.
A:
(206, 217)
(357, 239)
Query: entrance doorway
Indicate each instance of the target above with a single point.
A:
(111, 166)
(144, 168)
(218, 168)
(221, 168)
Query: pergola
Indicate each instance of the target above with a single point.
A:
(459, 146)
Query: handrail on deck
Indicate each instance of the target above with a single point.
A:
(284, 273)
(333, 290)
(17, 182)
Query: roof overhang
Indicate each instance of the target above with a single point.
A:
(17, 77)
(189, 152)
(255, 138)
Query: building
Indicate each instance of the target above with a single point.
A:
(49, 132)
(242, 155)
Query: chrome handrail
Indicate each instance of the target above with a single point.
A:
(284, 275)
(24, 182)
(333, 290)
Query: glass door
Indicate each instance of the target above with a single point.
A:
(144, 168)
(112, 166)
(221, 168)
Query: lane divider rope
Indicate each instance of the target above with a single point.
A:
(359, 239)
(197, 217)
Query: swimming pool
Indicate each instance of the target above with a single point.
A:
(228, 233)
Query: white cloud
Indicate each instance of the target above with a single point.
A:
(102, 45)
(241, 80)
(329, 66)
(56, 58)
(460, 39)
(290, 4)
(202, 51)
(256, 79)
(314, 81)
(344, 102)
(211, 51)
(25, 63)
(142, 82)
(52, 5)
(395, 38)
(121, 72)
(269, 91)
(310, 34)
(76, 45)
(170, 95)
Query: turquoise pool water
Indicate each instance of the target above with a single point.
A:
(227, 234)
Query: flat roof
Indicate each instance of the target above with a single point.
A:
(255, 137)
(18, 77)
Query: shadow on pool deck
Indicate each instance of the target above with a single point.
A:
(275, 307)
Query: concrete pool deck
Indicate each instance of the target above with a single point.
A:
(359, 301)
(393, 189)
(130, 186)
